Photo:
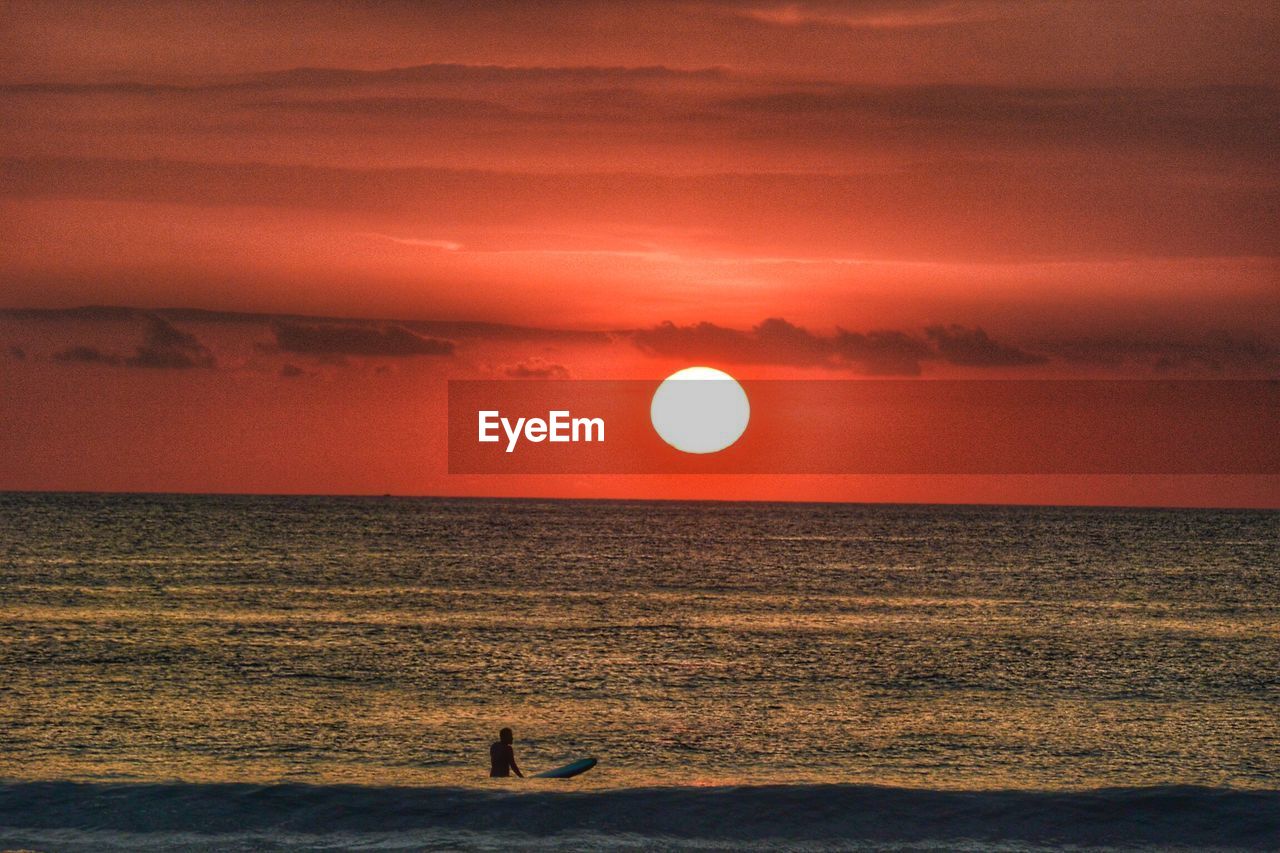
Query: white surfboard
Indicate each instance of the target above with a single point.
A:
(573, 768)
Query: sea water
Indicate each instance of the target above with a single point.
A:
(745, 672)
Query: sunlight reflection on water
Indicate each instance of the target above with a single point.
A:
(384, 642)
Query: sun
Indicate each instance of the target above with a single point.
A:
(700, 410)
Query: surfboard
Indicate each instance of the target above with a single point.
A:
(573, 768)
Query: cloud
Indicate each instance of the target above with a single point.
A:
(442, 245)
(975, 348)
(167, 347)
(775, 341)
(448, 330)
(163, 347)
(536, 368)
(395, 108)
(890, 15)
(1217, 352)
(885, 352)
(299, 341)
(332, 339)
(444, 72)
(1237, 118)
(86, 355)
(435, 74)
(91, 313)
(882, 353)
(921, 210)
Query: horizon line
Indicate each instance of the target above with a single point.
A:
(597, 499)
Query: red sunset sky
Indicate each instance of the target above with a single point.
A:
(298, 220)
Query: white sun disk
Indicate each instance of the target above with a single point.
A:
(700, 410)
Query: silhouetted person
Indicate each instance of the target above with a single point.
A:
(502, 758)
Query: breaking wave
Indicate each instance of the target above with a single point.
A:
(78, 815)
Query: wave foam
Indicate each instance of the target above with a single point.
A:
(1182, 816)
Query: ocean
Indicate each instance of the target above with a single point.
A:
(287, 673)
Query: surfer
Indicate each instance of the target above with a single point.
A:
(502, 758)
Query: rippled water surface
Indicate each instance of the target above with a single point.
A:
(383, 642)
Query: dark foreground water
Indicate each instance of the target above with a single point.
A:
(323, 673)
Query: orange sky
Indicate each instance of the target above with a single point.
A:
(1039, 189)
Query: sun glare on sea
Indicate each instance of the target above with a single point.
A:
(700, 410)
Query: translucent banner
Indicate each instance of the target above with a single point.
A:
(864, 427)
